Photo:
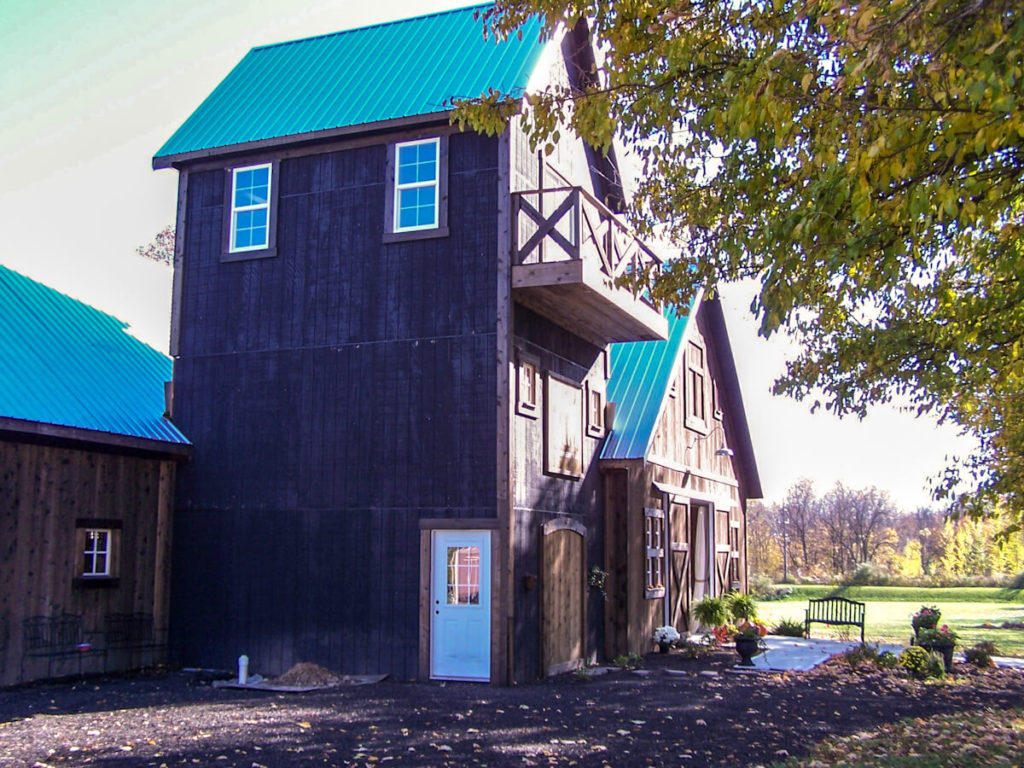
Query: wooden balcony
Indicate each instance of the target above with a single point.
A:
(569, 255)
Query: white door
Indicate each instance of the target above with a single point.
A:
(460, 619)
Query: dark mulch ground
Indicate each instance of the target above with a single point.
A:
(618, 719)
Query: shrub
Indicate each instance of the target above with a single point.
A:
(789, 628)
(920, 664)
(980, 654)
(761, 587)
(868, 574)
(632, 661)
(741, 606)
(869, 654)
(887, 660)
(690, 651)
(711, 611)
(862, 654)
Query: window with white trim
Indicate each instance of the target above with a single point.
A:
(417, 185)
(654, 540)
(250, 208)
(526, 386)
(98, 550)
(595, 410)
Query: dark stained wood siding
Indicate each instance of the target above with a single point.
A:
(335, 394)
(538, 497)
(44, 490)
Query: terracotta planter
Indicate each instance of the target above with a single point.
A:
(747, 648)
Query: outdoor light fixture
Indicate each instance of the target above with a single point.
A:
(723, 451)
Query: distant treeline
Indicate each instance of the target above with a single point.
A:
(860, 536)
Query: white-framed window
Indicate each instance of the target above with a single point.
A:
(98, 551)
(595, 410)
(417, 185)
(654, 540)
(250, 208)
(527, 384)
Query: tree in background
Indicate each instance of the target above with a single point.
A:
(863, 160)
(859, 534)
(764, 553)
(161, 248)
(798, 523)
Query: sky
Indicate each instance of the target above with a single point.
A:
(88, 97)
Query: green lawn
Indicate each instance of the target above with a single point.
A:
(889, 610)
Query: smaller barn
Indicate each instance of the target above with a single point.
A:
(678, 469)
(87, 467)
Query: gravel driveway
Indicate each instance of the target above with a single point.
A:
(689, 713)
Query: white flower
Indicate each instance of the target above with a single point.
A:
(665, 634)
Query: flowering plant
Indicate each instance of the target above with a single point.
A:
(926, 618)
(666, 634)
(933, 636)
(752, 629)
(722, 633)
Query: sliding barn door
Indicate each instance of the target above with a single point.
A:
(682, 567)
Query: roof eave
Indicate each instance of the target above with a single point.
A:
(41, 431)
(735, 415)
(176, 160)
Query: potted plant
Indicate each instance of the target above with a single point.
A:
(747, 637)
(741, 606)
(666, 637)
(926, 618)
(941, 640)
(711, 612)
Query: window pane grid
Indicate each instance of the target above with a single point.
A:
(463, 587)
(97, 553)
(416, 185)
(250, 208)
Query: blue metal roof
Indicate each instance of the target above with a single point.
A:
(641, 372)
(63, 362)
(356, 77)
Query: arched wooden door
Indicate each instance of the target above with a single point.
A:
(563, 597)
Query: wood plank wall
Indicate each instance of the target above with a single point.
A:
(335, 394)
(675, 449)
(43, 491)
(538, 497)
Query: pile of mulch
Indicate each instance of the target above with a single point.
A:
(304, 673)
(681, 712)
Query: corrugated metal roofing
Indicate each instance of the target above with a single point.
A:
(63, 362)
(387, 71)
(641, 372)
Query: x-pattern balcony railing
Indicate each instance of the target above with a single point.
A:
(569, 224)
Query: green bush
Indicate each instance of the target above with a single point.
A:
(741, 606)
(862, 654)
(632, 661)
(711, 612)
(887, 660)
(789, 628)
(868, 574)
(980, 654)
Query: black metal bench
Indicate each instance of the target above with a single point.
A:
(835, 611)
(55, 638)
(131, 632)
